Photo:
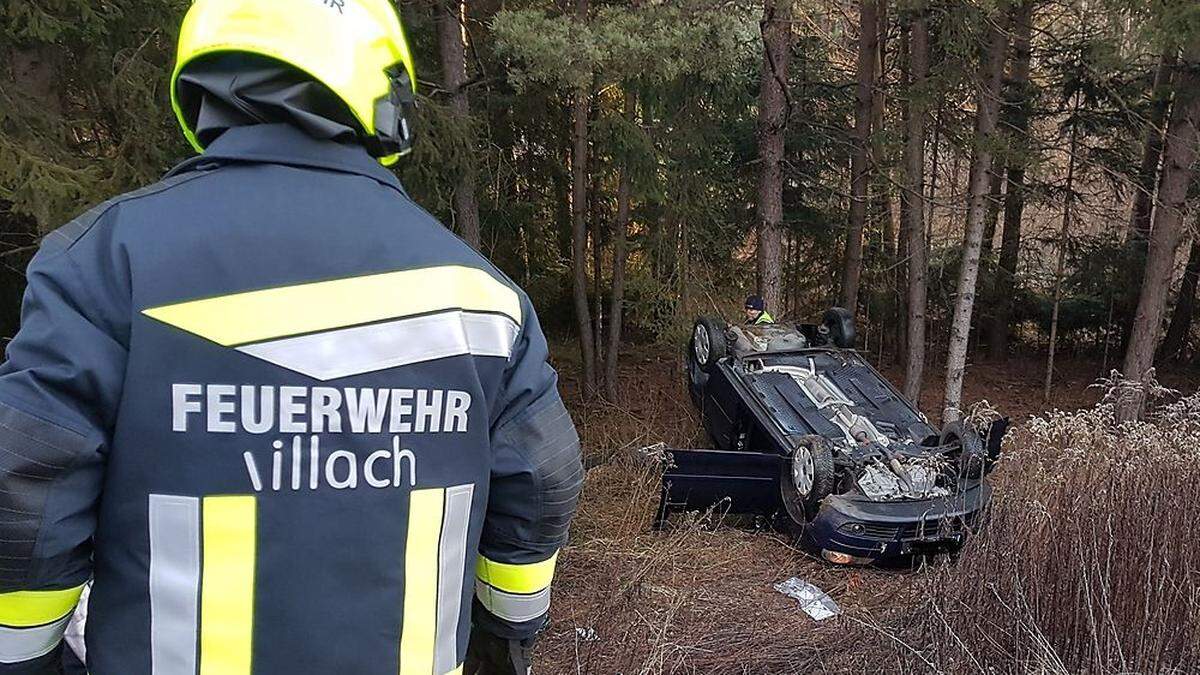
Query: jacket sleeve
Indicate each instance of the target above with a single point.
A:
(58, 392)
(535, 483)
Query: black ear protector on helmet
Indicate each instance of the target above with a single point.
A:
(394, 114)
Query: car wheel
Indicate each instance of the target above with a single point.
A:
(806, 477)
(838, 326)
(972, 456)
(708, 344)
(697, 379)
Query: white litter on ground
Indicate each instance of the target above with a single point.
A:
(815, 602)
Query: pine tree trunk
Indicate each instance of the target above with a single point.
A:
(1179, 154)
(685, 269)
(620, 256)
(1147, 175)
(885, 207)
(772, 118)
(1180, 329)
(1017, 111)
(452, 39)
(579, 208)
(1060, 266)
(914, 176)
(986, 118)
(995, 200)
(596, 219)
(1146, 183)
(935, 146)
(868, 20)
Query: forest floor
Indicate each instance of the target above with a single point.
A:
(699, 597)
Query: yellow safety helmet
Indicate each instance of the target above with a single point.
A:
(356, 48)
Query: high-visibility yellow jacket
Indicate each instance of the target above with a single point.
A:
(288, 423)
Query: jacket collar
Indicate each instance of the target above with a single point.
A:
(285, 144)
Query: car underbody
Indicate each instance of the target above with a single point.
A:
(806, 431)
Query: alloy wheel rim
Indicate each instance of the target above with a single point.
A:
(701, 344)
(802, 470)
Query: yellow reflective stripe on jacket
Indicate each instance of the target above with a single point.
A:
(764, 317)
(516, 578)
(227, 587)
(21, 609)
(272, 313)
(420, 575)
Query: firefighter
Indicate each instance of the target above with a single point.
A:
(756, 313)
(325, 430)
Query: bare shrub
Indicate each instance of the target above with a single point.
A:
(1089, 560)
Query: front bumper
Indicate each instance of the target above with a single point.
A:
(891, 530)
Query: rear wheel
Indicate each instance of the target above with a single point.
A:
(806, 477)
(838, 326)
(971, 455)
(697, 380)
(708, 344)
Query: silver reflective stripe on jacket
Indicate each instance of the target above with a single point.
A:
(174, 583)
(452, 560)
(515, 607)
(23, 644)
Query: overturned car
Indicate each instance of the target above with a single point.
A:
(806, 431)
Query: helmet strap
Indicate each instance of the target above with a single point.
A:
(393, 116)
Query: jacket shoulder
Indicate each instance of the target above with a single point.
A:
(63, 238)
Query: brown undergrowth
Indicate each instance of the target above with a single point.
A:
(1090, 561)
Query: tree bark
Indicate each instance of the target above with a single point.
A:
(1179, 153)
(1147, 175)
(1060, 266)
(883, 195)
(935, 146)
(986, 118)
(1176, 341)
(452, 42)
(885, 207)
(868, 38)
(620, 255)
(1017, 111)
(914, 176)
(596, 220)
(772, 118)
(579, 207)
(995, 200)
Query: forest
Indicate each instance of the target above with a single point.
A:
(1003, 192)
(971, 178)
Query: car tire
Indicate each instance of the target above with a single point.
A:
(696, 381)
(972, 456)
(708, 344)
(806, 477)
(838, 323)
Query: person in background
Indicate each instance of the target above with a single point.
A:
(756, 313)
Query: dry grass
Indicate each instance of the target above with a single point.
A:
(1090, 562)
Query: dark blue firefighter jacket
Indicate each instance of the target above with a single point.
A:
(285, 420)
